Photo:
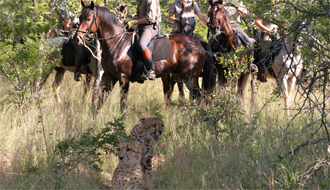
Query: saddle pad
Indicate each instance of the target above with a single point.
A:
(69, 54)
(161, 48)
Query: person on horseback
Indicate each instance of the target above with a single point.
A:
(148, 18)
(175, 10)
(267, 34)
(235, 10)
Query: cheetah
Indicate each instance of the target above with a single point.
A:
(148, 132)
(128, 174)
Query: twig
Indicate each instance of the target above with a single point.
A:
(293, 151)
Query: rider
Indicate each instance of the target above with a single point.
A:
(148, 18)
(176, 9)
(235, 10)
(267, 34)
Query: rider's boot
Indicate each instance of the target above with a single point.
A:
(149, 65)
(78, 64)
(78, 61)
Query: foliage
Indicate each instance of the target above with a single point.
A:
(89, 147)
(23, 66)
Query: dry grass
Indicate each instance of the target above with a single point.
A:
(187, 156)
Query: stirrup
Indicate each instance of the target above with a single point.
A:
(253, 68)
(151, 75)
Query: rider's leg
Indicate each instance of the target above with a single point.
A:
(147, 32)
(78, 61)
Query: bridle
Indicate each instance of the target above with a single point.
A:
(89, 28)
(220, 22)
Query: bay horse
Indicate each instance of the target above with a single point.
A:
(89, 68)
(187, 23)
(187, 55)
(223, 41)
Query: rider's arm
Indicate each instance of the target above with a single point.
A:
(201, 17)
(242, 10)
(143, 20)
(259, 24)
(171, 18)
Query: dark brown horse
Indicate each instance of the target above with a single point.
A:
(223, 41)
(187, 55)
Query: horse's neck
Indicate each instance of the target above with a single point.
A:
(110, 35)
(228, 33)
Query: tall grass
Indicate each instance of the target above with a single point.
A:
(251, 152)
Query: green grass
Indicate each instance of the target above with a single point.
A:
(251, 153)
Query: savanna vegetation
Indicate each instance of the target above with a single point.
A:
(207, 144)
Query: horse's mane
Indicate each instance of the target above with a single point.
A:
(103, 13)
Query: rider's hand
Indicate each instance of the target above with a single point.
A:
(130, 24)
(125, 21)
(209, 25)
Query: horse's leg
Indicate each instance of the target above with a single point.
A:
(242, 86)
(124, 83)
(57, 81)
(195, 90)
(107, 83)
(166, 88)
(87, 84)
(180, 87)
(285, 93)
(254, 91)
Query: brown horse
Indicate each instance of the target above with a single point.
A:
(187, 55)
(223, 41)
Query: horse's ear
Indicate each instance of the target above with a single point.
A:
(125, 11)
(192, 6)
(92, 5)
(83, 3)
(182, 5)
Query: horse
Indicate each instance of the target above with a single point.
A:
(58, 44)
(187, 23)
(223, 41)
(120, 63)
(285, 67)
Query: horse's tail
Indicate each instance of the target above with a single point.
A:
(208, 69)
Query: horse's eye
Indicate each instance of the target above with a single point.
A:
(88, 19)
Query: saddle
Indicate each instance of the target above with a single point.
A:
(69, 54)
(160, 48)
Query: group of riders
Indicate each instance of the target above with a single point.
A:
(147, 21)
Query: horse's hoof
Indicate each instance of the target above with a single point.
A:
(77, 77)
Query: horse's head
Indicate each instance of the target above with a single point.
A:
(218, 17)
(88, 22)
(187, 19)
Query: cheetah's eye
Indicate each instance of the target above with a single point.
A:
(118, 149)
(128, 149)
(154, 125)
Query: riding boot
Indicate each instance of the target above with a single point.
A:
(149, 65)
(78, 61)
(78, 64)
